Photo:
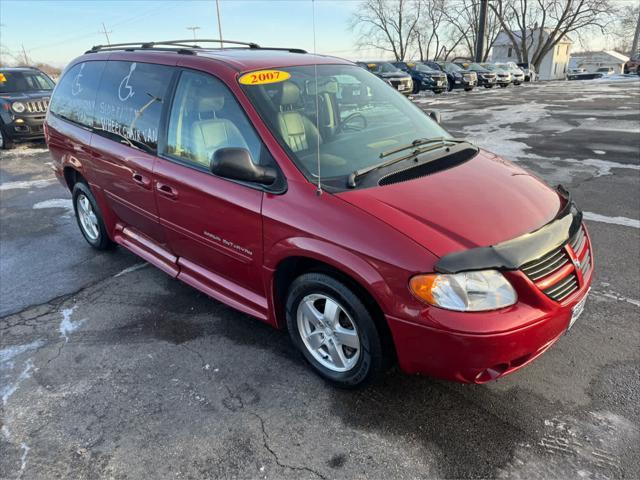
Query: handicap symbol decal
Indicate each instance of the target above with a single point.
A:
(76, 88)
(125, 91)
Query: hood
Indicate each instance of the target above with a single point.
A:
(484, 201)
(394, 75)
(24, 96)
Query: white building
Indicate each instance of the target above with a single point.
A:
(592, 61)
(555, 63)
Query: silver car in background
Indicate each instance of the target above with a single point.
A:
(503, 76)
(517, 75)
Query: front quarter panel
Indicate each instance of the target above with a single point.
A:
(323, 227)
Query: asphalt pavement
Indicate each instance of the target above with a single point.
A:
(111, 369)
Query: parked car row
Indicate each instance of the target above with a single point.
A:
(437, 76)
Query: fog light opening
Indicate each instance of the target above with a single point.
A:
(491, 373)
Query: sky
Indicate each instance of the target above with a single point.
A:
(55, 32)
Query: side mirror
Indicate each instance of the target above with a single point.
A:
(235, 163)
(435, 116)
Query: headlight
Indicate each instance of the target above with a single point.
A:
(17, 107)
(466, 291)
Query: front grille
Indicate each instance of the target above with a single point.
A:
(488, 76)
(555, 273)
(37, 106)
(547, 264)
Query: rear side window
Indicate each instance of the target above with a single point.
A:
(129, 103)
(205, 116)
(74, 97)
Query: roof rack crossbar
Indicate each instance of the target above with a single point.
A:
(188, 43)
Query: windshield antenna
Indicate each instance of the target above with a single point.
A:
(315, 76)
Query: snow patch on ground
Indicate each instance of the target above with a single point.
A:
(571, 446)
(9, 388)
(64, 203)
(133, 268)
(27, 184)
(68, 326)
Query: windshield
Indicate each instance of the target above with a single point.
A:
(359, 118)
(24, 81)
(450, 67)
(383, 67)
(475, 67)
(421, 67)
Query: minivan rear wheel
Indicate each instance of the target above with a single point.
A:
(333, 330)
(89, 218)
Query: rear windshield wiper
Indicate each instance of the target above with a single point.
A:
(426, 144)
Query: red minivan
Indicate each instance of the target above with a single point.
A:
(302, 190)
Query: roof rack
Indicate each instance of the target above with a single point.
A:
(188, 46)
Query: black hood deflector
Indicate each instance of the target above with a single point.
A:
(512, 254)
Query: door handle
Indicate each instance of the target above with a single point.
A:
(166, 190)
(141, 180)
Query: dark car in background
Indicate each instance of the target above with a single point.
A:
(391, 74)
(486, 78)
(424, 77)
(456, 76)
(24, 98)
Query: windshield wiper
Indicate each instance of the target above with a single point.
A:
(433, 144)
(416, 143)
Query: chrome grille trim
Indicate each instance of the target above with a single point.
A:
(563, 288)
(546, 264)
(37, 106)
(556, 259)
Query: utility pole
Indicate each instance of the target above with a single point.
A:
(106, 34)
(193, 29)
(482, 26)
(636, 37)
(219, 23)
(24, 54)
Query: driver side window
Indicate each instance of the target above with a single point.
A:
(205, 117)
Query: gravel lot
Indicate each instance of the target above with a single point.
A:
(110, 369)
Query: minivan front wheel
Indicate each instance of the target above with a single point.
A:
(89, 217)
(333, 330)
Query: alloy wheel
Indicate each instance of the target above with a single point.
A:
(328, 332)
(88, 219)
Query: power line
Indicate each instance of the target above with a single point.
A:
(193, 29)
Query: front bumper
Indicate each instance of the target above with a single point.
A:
(469, 357)
(19, 127)
(551, 269)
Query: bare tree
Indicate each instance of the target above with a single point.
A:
(463, 17)
(535, 27)
(388, 25)
(625, 29)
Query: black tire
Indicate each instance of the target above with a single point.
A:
(102, 242)
(416, 88)
(371, 361)
(488, 86)
(450, 87)
(5, 142)
(504, 85)
(468, 89)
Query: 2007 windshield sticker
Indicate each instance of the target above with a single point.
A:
(262, 77)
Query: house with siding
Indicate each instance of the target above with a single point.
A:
(592, 61)
(554, 64)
